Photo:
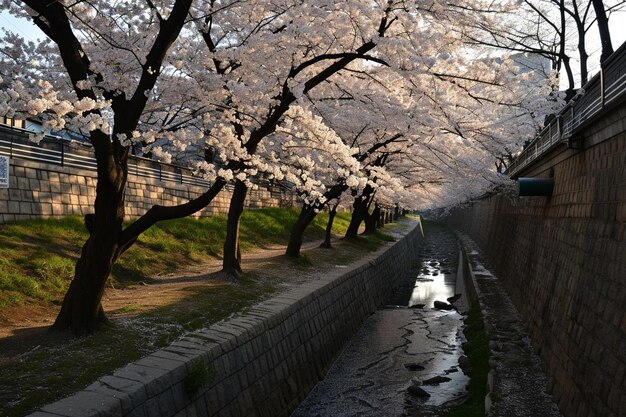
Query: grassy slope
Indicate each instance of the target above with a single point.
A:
(37, 257)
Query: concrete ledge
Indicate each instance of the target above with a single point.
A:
(516, 384)
(262, 363)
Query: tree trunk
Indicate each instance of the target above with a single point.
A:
(570, 92)
(564, 58)
(371, 221)
(603, 27)
(307, 215)
(582, 52)
(359, 215)
(82, 310)
(370, 224)
(329, 228)
(232, 255)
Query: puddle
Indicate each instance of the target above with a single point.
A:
(399, 347)
(432, 285)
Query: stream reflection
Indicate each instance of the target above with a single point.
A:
(432, 284)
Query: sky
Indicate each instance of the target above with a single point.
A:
(617, 26)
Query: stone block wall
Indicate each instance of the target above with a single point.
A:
(563, 262)
(261, 363)
(38, 189)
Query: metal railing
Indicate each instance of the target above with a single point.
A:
(57, 151)
(606, 89)
(14, 143)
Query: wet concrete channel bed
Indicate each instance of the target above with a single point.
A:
(403, 361)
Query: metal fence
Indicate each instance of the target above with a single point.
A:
(57, 151)
(605, 90)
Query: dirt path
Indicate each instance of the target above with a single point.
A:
(171, 288)
(32, 319)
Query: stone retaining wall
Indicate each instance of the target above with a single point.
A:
(38, 189)
(563, 261)
(262, 363)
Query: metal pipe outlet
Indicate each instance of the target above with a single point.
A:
(539, 187)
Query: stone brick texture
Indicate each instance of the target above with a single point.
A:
(261, 363)
(563, 261)
(41, 190)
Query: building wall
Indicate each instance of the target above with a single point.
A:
(38, 189)
(563, 261)
(261, 363)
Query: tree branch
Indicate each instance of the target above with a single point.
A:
(159, 213)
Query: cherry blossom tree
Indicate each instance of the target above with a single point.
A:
(458, 109)
(306, 46)
(101, 66)
(366, 103)
(319, 165)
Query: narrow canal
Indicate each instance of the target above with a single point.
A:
(404, 361)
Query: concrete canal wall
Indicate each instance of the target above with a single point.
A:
(562, 260)
(262, 363)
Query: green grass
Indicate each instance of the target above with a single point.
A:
(477, 350)
(371, 241)
(303, 261)
(37, 257)
(198, 377)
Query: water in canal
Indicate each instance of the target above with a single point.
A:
(387, 366)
